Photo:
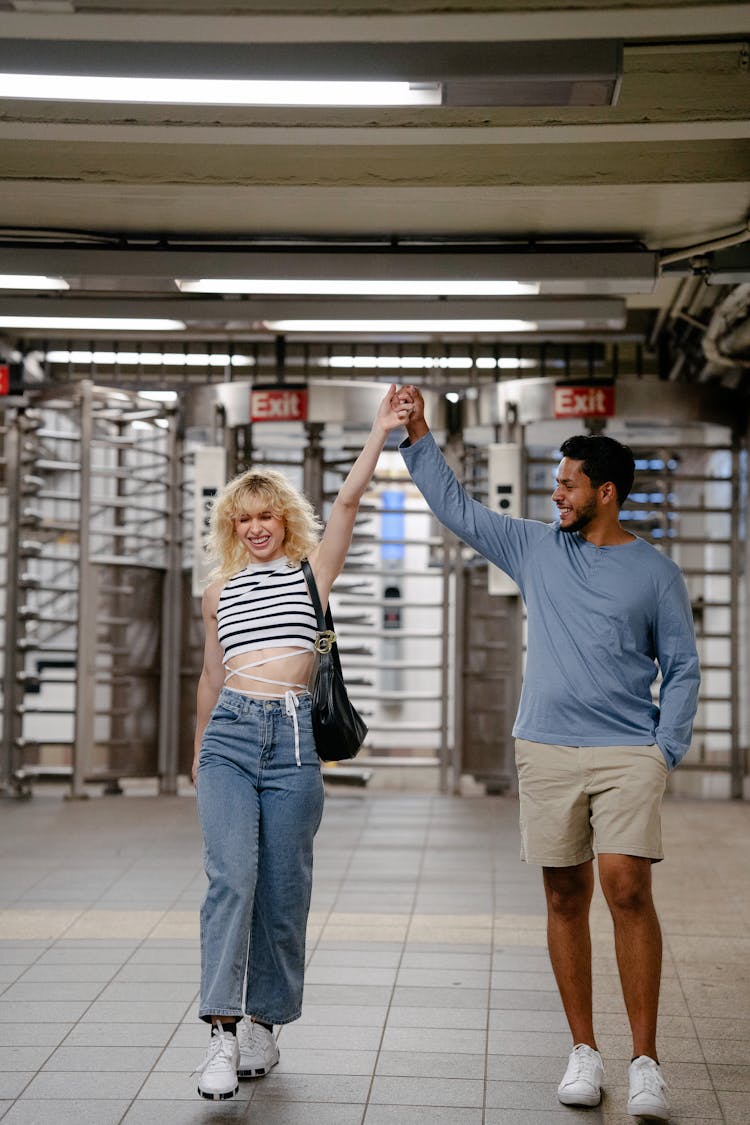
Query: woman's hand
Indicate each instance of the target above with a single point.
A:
(395, 410)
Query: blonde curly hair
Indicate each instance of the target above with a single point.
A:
(271, 490)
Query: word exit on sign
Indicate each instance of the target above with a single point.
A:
(584, 400)
(277, 404)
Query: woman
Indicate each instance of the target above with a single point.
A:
(260, 792)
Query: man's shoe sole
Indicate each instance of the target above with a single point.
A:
(572, 1099)
(649, 1114)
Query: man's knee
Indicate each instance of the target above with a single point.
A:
(627, 886)
(568, 890)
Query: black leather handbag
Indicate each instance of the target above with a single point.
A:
(338, 727)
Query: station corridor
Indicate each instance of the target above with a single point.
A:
(429, 997)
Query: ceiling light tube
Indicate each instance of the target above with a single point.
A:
(148, 359)
(31, 281)
(362, 287)
(397, 363)
(213, 91)
(438, 327)
(92, 323)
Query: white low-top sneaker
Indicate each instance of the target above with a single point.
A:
(218, 1071)
(647, 1096)
(582, 1081)
(258, 1050)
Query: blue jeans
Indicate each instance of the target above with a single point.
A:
(259, 811)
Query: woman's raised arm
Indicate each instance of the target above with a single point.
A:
(328, 557)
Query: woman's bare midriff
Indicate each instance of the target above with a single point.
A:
(296, 668)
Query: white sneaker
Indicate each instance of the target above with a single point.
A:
(258, 1050)
(582, 1081)
(647, 1096)
(218, 1071)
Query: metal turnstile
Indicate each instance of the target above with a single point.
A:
(86, 655)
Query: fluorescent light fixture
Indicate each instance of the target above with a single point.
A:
(426, 363)
(92, 323)
(503, 363)
(452, 396)
(362, 287)
(149, 359)
(390, 327)
(398, 363)
(213, 91)
(31, 281)
(574, 72)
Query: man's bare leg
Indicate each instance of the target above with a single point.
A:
(626, 883)
(569, 891)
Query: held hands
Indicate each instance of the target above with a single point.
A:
(403, 407)
(394, 410)
(416, 425)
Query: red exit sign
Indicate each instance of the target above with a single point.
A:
(278, 405)
(585, 400)
(4, 379)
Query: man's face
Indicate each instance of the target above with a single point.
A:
(575, 496)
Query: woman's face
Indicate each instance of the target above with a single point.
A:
(261, 532)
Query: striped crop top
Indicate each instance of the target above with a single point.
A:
(266, 605)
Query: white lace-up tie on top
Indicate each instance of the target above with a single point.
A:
(290, 696)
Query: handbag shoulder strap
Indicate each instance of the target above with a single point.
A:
(324, 621)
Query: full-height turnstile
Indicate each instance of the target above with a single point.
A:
(92, 521)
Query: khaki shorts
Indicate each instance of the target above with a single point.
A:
(580, 800)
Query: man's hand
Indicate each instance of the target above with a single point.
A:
(416, 426)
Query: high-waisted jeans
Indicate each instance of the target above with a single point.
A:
(259, 810)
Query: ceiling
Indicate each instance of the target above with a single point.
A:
(664, 170)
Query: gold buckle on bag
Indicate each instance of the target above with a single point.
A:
(324, 642)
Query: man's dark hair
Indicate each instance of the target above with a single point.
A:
(604, 459)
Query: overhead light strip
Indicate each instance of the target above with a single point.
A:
(394, 327)
(361, 287)
(149, 359)
(425, 363)
(31, 281)
(210, 91)
(91, 323)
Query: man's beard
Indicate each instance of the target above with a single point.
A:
(585, 516)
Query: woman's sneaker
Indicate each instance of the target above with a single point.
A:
(582, 1081)
(648, 1091)
(218, 1071)
(258, 1050)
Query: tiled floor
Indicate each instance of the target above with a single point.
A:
(429, 997)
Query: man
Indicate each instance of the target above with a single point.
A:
(592, 749)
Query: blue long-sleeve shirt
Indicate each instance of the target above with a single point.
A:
(599, 620)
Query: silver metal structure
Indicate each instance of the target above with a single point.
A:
(96, 523)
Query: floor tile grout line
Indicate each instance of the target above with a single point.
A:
(667, 942)
(404, 944)
(61, 937)
(493, 868)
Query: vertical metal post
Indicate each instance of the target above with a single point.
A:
(11, 693)
(312, 467)
(455, 454)
(171, 623)
(459, 631)
(85, 706)
(737, 763)
(445, 661)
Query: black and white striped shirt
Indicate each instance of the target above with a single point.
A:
(266, 605)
